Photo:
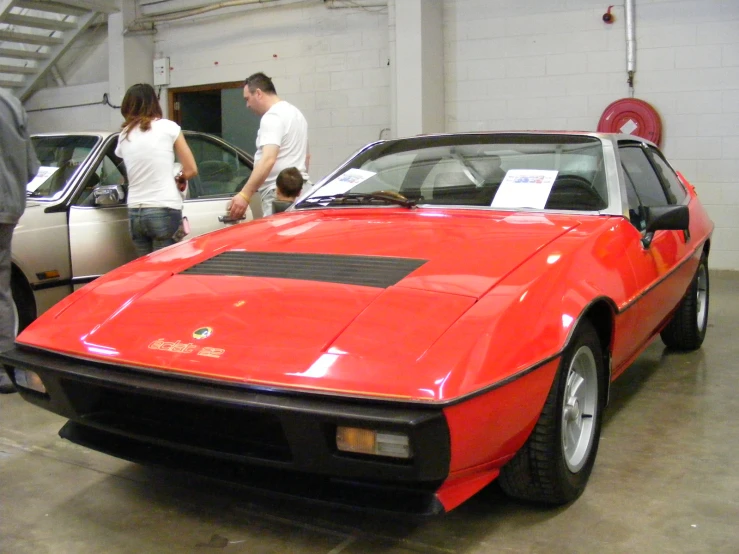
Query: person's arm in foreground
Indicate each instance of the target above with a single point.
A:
(185, 157)
(258, 175)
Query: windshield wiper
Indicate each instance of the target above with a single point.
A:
(362, 198)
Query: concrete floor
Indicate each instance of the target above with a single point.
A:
(666, 480)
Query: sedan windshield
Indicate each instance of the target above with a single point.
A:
(505, 171)
(60, 158)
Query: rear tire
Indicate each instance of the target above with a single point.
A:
(687, 328)
(554, 464)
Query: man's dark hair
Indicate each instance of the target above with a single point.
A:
(289, 182)
(260, 81)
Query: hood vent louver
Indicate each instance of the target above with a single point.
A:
(368, 271)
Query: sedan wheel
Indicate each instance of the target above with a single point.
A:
(16, 319)
(23, 306)
(554, 464)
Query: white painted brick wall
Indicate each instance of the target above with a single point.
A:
(509, 64)
(45, 115)
(553, 64)
(331, 63)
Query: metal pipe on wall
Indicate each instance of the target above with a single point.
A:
(181, 14)
(630, 43)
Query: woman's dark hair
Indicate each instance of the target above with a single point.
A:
(260, 81)
(139, 107)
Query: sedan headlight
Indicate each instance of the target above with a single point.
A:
(377, 443)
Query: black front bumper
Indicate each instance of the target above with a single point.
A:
(278, 441)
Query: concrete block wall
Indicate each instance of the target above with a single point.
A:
(83, 74)
(330, 63)
(69, 109)
(545, 64)
(509, 64)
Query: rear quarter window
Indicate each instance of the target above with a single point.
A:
(676, 191)
(647, 185)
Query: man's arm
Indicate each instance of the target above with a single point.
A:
(257, 178)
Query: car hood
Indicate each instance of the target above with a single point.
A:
(33, 213)
(331, 301)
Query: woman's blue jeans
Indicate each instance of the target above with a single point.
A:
(152, 228)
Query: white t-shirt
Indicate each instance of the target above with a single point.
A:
(149, 159)
(284, 125)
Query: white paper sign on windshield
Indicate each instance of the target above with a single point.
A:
(43, 174)
(525, 188)
(343, 183)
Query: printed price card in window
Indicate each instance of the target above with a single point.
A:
(525, 188)
(343, 183)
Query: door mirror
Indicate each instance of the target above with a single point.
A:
(665, 218)
(109, 195)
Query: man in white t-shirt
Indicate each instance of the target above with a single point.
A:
(282, 141)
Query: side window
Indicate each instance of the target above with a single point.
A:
(109, 171)
(636, 213)
(220, 171)
(675, 191)
(646, 183)
(60, 157)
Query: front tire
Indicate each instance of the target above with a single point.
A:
(687, 328)
(554, 464)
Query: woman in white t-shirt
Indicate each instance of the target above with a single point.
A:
(148, 144)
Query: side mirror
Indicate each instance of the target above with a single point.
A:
(665, 218)
(109, 195)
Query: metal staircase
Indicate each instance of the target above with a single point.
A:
(35, 33)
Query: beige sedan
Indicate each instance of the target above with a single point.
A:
(75, 227)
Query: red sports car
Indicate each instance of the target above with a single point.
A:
(438, 312)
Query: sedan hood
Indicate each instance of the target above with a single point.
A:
(304, 300)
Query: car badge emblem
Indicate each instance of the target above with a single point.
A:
(202, 333)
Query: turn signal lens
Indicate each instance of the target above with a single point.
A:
(377, 443)
(29, 380)
(51, 274)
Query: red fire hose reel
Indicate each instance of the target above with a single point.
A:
(632, 117)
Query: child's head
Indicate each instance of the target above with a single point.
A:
(289, 183)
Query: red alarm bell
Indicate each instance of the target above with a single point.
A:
(608, 17)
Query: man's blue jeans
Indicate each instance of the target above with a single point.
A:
(152, 228)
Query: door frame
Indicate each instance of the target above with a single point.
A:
(173, 99)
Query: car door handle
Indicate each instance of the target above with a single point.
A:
(227, 219)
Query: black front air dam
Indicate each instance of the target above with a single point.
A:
(286, 439)
(342, 493)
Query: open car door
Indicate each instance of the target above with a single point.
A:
(99, 237)
(222, 172)
(99, 233)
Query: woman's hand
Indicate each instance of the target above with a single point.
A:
(181, 182)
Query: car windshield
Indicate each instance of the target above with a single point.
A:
(60, 158)
(506, 171)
